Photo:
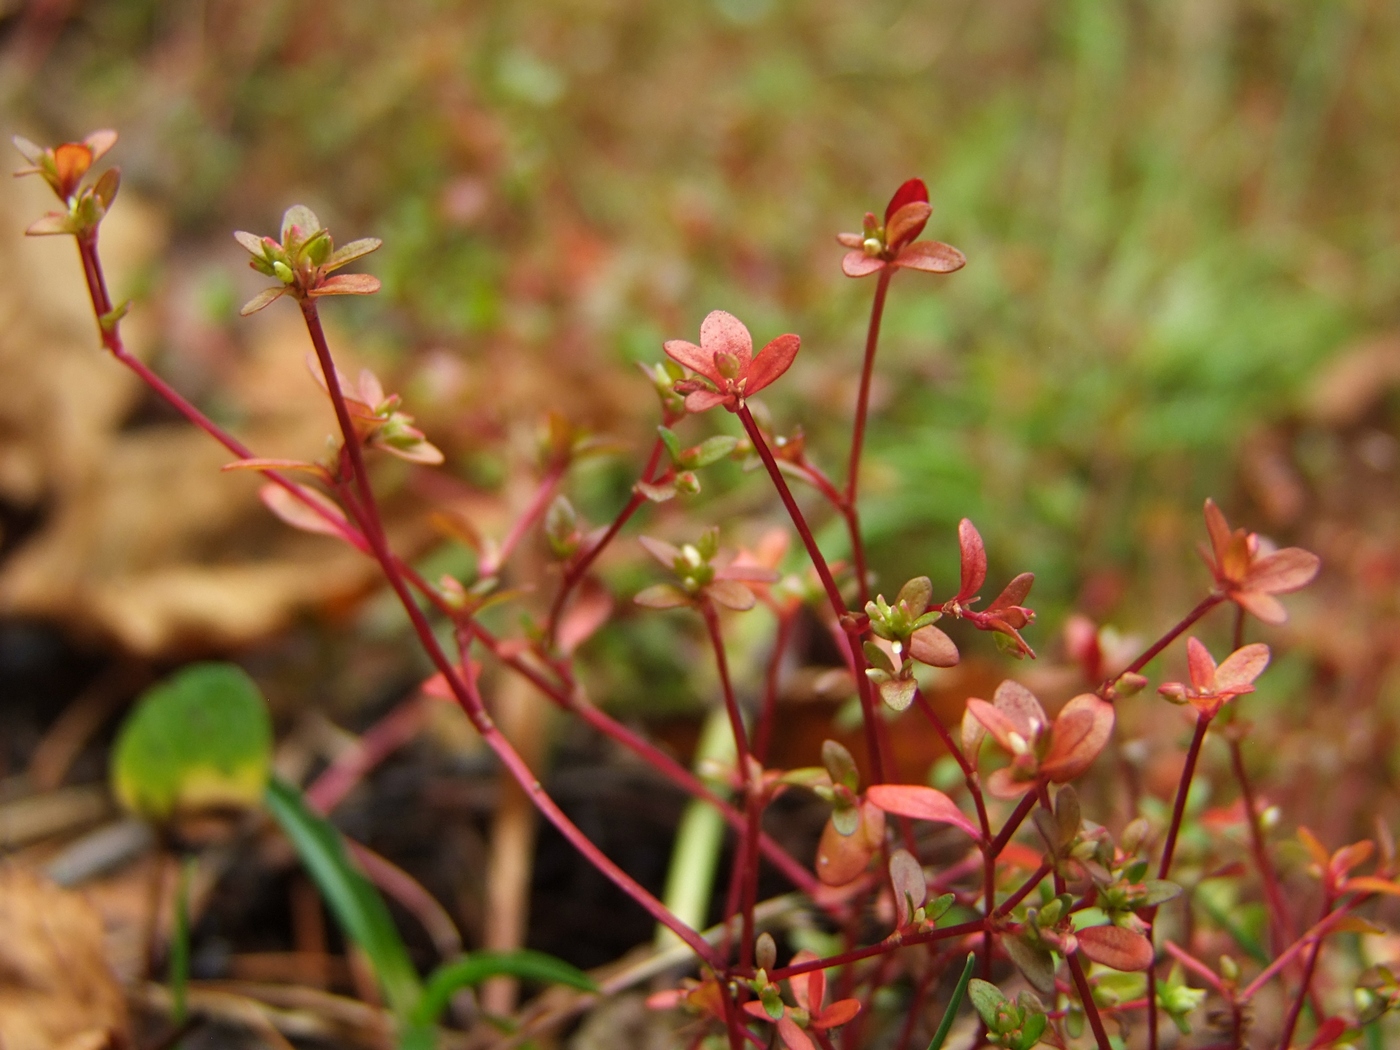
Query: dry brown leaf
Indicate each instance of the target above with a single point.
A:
(56, 988)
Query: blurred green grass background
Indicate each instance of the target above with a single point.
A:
(1174, 214)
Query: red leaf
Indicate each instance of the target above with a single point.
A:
(906, 224)
(588, 612)
(1201, 665)
(794, 1038)
(1014, 593)
(1080, 733)
(722, 332)
(327, 519)
(931, 257)
(346, 284)
(772, 361)
(1242, 666)
(931, 646)
(837, 1014)
(921, 803)
(858, 264)
(1116, 948)
(909, 191)
(1283, 571)
(974, 560)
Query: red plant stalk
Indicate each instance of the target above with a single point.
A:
(1086, 999)
(872, 340)
(1205, 605)
(534, 510)
(575, 572)
(462, 689)
(833, 594)
(1279, 923)
(763, 732)
(943, 933)
(1309, 968)
(741, 898)
(375, 744)
(1188, 772)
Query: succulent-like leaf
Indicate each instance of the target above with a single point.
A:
(303, 218)
(930, 257)
(931, 646)
(908, 884)
(1035, 961)
(662, 596)
(1081, 731)
(898, 693)
(916, 594)
(348, 253)
(326, 518)
(262, 300)
(974, 560)
(346, 284)
(920, 803)
(1116, 948)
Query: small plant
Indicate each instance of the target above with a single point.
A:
(1064, 917)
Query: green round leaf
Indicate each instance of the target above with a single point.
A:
(199, 740)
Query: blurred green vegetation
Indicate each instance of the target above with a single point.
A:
(1173, 212)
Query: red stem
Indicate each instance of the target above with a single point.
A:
(962, 929)
(872, 340)
(1205, 605)
(833, 594)
(1296, 1009)
(375, 744)
(463, 690)
(1018, 815)
(539, 502)
(1086, 998)
(1278, 911)
(1179, 808)
(577, 569)
(763, 732)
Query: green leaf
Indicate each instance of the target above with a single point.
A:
(988, 1000)
(356, 904)
(950, 1013)
(480, 966)
(199, 740)
(672, 443)
(711, 450)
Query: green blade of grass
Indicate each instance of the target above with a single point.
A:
(357, 905)
(480, 966)
(946, 1025)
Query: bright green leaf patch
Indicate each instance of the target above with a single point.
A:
(199, 740)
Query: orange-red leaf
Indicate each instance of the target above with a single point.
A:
(1116, 948)
(920, 803)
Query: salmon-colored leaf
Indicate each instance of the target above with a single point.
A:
(920, 803)
(974, 560)
(1116, 948)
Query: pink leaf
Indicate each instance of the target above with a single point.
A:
(858, 264)
(1116, 948)
(722, 332)
(772, 361)
(1081, 731)
(1264, 607)
(698, 401)
(692, 357)
(326, 518)
(920, 803)
(346, 284)
(1242, 667)
(1283, 571)
(794, 1038)
(666, 553)
(974, 560)
(1019, 704)
(263, 299)
(731, 594)
(931, 257)
(589, 611)
(1219, 530)
(662, 596)
(931, 646)
(1201, 665)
